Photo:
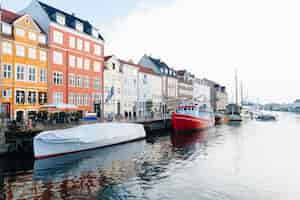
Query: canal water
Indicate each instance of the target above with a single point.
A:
(251, 160)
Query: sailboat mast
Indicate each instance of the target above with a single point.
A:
(242, 95)
(236, 88)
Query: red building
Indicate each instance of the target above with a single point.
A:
(76, 57)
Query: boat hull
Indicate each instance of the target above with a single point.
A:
(181, 122)
(44, 148)
(235, 118)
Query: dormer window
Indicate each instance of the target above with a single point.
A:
(60, 18)
(6, 29)
(95, 32)
(79, 26)
(42, 39)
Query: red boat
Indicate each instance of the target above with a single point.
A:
(192, 116)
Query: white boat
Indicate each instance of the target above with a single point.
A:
(86, 137)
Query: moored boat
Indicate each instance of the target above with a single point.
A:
(220, 118)
(192, 116)
(86, 137)
(233, 113)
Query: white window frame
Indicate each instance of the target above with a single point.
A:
(32, 36)
(7, 71)
(42, 39)
(20, 32)
(97, 50)
(32, 73)
(79, 26)
(79, 62)
(43, 75)
(72, 61)
(60, 18)
(57, 57)
(6, 28)
(6, 93)
(58, 37)
(22, 73)
(58, 78)
(97, 66)
(58, 97)
(79, 44)
(79, 81)
(43, 56)
(87, 46)
(87, 63)
(72, 80)
(72, 42)
(86, 82)
(32, 53)
(7, 48)
(20, 50)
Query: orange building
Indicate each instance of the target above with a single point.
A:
(24, 66)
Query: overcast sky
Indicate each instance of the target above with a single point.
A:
(260, 38)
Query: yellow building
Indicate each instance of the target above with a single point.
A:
(24, 66)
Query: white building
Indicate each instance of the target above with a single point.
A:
(149, 91)
(112, 87)
(129, 89)
(169, 80)
(201, 91)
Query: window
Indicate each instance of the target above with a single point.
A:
(42, 98)
(57, 58)
(79, 100)
(20, 50)
(58, 37)
(97, 66)
(6, 71)
(60, 18)
(79, 26)
(20, 97)
(86, 82)
(86, 99)
(31, 97)
(97, 83)
(57, 78)
(79, 81)
(72, 61)
(20, 72)
(87, 64)
(31, 53)
(42, 39)
(43, 56)
(43, 75)
(58, 98)
(86, 46)
(95, 33)
(79, 44)
(7, 48)
(71, 98)
(97, 50)
(20, 32)
(6, 93)
(79, 62)
(32, 36)
(6, 28)
(72, 42)
(32, 73)
(72, 81)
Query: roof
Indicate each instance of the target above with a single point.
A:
(129, 63)
(158, 62)
(9, 16)
(106, 58)
(147, 70)
(70, 19)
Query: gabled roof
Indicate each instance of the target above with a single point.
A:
(158, 62)
(8, 16)
(147, 70)
(70, 19)
(106, 58)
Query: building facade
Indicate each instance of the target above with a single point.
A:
(169, 80)
(201, 91)
(185, 84)
(149, 92)
(24, 66)
(129, 89)
(76, 58)
(112, 87)
(221, 98)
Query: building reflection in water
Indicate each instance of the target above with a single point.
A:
(76, 176)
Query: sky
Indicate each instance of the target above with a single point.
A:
(259, 38)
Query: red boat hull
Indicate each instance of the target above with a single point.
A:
(181, 122)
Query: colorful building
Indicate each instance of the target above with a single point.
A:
(185, 84)
(24, 66)
(169, 80)
(76, 57)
